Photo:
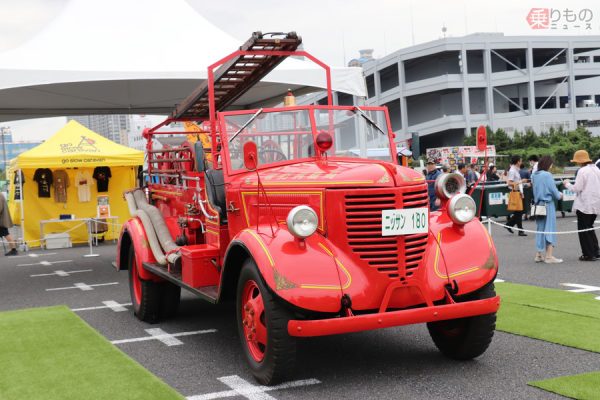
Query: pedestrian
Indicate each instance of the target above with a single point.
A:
(515, 183)
(5, 224)
(445, 168)
(544, 194)
(475, 169)
(469, 175)
(492, 174)
(432, 175)
(524, 173)
(533, 163)
(586, 204)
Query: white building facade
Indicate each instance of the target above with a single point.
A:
(446, 88)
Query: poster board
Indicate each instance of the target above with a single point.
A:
(454, 155)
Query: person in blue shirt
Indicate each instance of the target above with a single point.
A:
(544, 193)
(432, 175)
(470, 177)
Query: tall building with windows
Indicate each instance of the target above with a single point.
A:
(445, 88)
(113, 127)
(10, 149)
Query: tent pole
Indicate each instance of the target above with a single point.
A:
(90, 240)
(22, 238)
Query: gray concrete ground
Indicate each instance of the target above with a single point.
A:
(398, 363)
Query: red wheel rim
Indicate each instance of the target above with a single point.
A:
(253, 321)
(137, 284)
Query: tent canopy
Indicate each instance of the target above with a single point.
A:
(126, 56)
(74, 145)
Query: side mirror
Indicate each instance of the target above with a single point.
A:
(250, 156)
(481, 138)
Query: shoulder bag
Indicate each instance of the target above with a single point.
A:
(515, 201)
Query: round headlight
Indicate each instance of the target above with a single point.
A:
(302, 221)
(461, 209)
(447, 185)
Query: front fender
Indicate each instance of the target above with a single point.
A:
(303, 273)
(465, 254)
(134, 230)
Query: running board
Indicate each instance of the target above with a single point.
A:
(208, 293)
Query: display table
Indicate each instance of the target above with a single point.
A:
(90, 222)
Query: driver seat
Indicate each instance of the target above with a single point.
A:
(215, 191)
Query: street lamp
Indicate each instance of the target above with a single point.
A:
(3, 131)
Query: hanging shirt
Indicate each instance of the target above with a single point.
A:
(102, 175)
(61, 183)
(43, 177)
(83, 182)
(19, 180)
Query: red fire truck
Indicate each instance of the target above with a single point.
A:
(305, 218)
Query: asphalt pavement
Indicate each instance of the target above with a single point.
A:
(198, 352)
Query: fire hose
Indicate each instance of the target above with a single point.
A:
(161, 243)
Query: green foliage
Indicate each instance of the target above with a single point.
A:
(556, 143)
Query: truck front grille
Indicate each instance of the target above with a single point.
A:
(363, 229)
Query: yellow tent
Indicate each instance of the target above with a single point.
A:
(77, 151)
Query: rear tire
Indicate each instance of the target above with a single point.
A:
(465, 338)
(145, 295)
(262, 325)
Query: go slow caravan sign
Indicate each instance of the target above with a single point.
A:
(86, 146)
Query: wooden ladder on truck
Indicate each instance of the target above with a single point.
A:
(227, 80)
(236, 75)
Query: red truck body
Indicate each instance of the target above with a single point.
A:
(230, 219)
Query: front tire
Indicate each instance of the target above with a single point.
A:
(465, 338)
(145, 295)
(262, 325)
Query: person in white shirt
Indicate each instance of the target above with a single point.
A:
(586, 204)
(515, 181)
(533, 163)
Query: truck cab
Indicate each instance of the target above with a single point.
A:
(304, 218)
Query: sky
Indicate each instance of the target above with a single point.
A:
(333, 30)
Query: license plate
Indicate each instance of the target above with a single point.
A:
(404, 222)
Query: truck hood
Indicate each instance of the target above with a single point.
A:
(331, 174)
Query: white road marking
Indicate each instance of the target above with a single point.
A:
(498, 280)
(83, 286)
(582, 288)
(241, 387)
(33, 255)
(164, 337)
(60, 272)
(113, 305)
(46, 263)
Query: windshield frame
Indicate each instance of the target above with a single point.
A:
(312, 109)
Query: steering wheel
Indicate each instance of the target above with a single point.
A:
(270, 152)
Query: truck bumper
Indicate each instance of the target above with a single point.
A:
(357, 323)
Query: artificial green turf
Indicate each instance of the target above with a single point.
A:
(582, 304)
(557, 316)
(584, 386)
(50, 353)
